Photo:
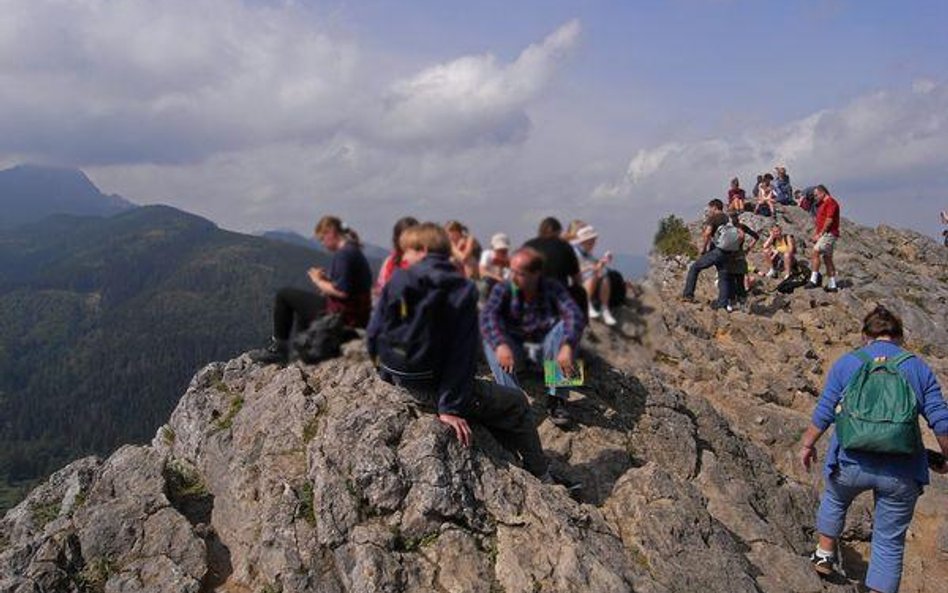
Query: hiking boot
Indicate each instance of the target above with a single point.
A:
(810, 285)
(559, 415)
(608, 318)
(687, 299)
(831, 289)
(278, 352)
(826, 566)
(594, 313)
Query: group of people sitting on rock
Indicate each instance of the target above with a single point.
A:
(426, 329)
(726, 240)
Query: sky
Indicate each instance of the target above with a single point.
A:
(266, 115)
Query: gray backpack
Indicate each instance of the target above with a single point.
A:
(727, 237)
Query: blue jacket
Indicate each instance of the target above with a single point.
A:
(931, 405)
(456, 331)
(783, 191)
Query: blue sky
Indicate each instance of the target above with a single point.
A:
(268, 114)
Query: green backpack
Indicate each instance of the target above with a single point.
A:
(879, 411)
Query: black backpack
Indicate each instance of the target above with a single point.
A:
(406, 346)
(323, 339)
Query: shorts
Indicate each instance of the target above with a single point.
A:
(826, 243)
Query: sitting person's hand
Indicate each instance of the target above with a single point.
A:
(564, 358)
(505, 358)
(460, 426)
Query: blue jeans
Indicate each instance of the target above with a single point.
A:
(717, 258)
(895, 499)
(552, 342)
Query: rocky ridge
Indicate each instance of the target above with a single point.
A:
(323, 478)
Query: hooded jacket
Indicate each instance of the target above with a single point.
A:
(455, 329)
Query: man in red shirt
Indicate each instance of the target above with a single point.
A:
(824, 239)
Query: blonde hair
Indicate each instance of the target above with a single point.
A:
(573, 228)
(425, 236)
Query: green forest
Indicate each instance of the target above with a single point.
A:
(103, 321)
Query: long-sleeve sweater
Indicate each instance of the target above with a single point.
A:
(508, 316)
(931, 405)
(455, 329)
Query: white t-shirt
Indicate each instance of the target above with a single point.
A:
(487, 263)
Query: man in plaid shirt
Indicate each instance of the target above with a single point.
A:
(531, 309)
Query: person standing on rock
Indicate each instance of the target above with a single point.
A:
(432, 282)
(825, 236)
(531, 309)
(895, 479)
(346, 289)
(712, 255)
(559, 259)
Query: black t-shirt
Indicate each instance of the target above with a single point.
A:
(349, 270)
(559, 258)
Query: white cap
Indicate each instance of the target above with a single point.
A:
(500, 241)
(584, 234)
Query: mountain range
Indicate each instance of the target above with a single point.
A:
(105, 316)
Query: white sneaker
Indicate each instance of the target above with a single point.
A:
(593, 313)
(608, 318)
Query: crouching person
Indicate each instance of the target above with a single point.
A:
(424, 337)
(531, 309)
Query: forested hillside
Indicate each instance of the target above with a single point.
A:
(104, 320)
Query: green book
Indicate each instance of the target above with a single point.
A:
(553, 374)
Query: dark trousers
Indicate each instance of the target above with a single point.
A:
(717, 258)
(737, 286)
(505, 412)
(293, 304)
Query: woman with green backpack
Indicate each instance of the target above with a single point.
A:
(874, 397)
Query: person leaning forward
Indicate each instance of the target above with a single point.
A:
(895, 479)
(531, 309)
(452, 390)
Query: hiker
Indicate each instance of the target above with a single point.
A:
(711, 255)
(559, 259)
(345, 288)
(736, 196)
(394, 260)
(895, 478)
(594, 274)
(528, 311)
(495, 262)
(464, 248)
(736, 266)
(781, 252)
(766, 205)
(432, 299)
(783, 191)
(825, 236)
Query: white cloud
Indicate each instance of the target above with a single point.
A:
(474, 98)
(103, 82)
(881, 139)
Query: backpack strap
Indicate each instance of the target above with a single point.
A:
(901, 358)
(862, 356)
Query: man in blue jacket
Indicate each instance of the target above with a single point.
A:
(452, 390)
(895, 480)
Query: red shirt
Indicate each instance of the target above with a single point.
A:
(735, 194)
(827, 216)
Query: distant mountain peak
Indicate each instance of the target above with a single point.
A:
(30, 192)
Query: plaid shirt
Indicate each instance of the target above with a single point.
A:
(507, 317)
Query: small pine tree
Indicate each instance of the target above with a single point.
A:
(673, 238)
